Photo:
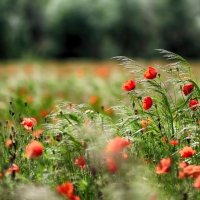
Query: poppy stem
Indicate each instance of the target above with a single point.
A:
(185, 196)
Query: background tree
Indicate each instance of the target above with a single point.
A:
(178, 29)
(100, 29)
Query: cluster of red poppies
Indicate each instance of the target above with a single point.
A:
(129, 85)
(35, 149)
(151, 73)
(112, 151)
(164, 165)
(111, 155)
(191, 171)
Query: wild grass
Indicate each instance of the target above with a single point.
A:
(96, 138)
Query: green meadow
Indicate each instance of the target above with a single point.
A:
(89, 130)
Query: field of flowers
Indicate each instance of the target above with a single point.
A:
(111, 130)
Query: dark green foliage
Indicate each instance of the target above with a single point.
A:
(178, 28)
(100, 29)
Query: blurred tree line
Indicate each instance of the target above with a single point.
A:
(98, 28)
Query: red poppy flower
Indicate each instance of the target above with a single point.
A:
(8, 143)
(187, 152)
(129, 85)
(164, 139)
(181, 174)
(29, 99)
(182, 164)
(150, 73)
(191, 171)
(173, 142)
(43, 113)
(103, 71)
(124, 155)
(187, 89)
(147, 103)
(74, 197)
(111, 165)
(144, 124)
(1, 175)
(66, 189)
(116, 145)
(93, 99)
(109, 111)
(193, 104)
(28, 123)
(14, 168)
(163, 166)
(80, 162)
(197, 183)
(34, 149)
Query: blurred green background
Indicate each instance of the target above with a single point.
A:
(98, 29)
